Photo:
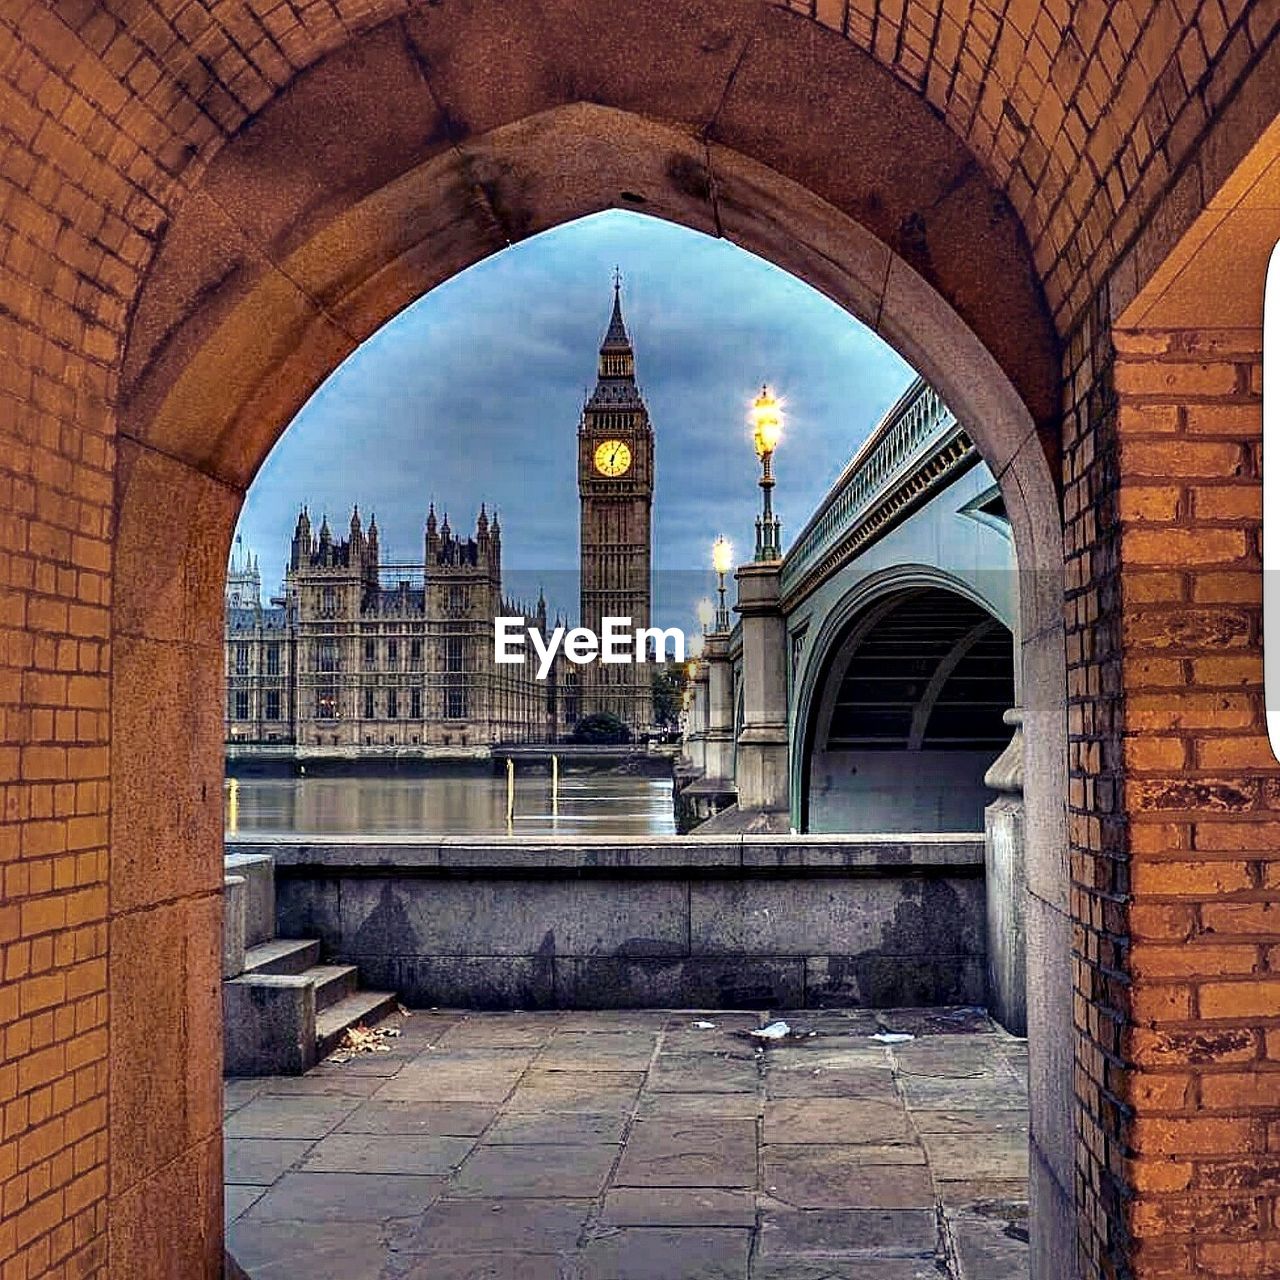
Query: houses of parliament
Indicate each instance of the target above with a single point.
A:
(364, 655)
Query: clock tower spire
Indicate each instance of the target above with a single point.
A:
(615, 491)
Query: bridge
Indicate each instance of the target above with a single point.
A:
(871, 683)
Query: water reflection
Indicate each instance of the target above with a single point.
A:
(589, 805)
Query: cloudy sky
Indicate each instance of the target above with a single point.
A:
(473, 394)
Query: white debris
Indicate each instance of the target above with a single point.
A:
(892, 1037)
(774, 1031)
(704, 1026)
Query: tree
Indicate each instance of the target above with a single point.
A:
(669, 681)
(602, 728)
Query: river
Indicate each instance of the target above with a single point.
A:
(590, 804)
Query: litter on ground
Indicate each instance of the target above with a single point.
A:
(893, 1037)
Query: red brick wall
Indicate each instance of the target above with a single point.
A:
(56, 461)
(1202, 804)
(1084, 116)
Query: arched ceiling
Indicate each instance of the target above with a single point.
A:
(1080, 112)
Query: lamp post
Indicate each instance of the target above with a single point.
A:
(722, 562)
(766, 431)
(706, 614)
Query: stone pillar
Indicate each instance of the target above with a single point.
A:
(1007, 886)
(763, 780)
(696, 742)
(719, 723)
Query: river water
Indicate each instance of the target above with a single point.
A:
(601, 804)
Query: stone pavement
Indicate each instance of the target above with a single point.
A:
(637, 1145)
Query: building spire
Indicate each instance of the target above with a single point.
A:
(616, 374)
(616, 338)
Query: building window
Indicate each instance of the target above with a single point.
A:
(415, 704)
(457, 598)
(415, 655)
(453, 650)
(368, 704)
(242, 704)
(455, 704)
(327, 702)
(242, 659)
(329, 602)
(370, 653)
(327, 655)
(273, 659)
(393, 654)
(393, 705)
(273, 704)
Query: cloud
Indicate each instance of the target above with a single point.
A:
(473, 394)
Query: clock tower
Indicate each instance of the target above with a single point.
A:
(615, 491)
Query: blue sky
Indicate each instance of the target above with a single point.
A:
(473, 394)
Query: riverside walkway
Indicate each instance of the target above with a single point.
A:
(640, 1145)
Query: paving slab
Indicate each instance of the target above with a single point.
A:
(988, 1245)
(556, 1127)
(498, 1031)
(856, 1269)
(492, 1266)
(508, 1225)
(872, 1084)
(596, 1092)
(444, 1119)
(699, 1106)
(689, 1153)
(878, 1232)
(565, 1171)
(281, 1117)
(678, 1207)
(327, 1085)
(664, 1253)
(840, 1120)
(238, 1090)
(237, 1199)
(970, 1122)
(314, 1250)
(1001, 1155)
(260, 1161)
(346, 1197)
(703, 1073)
(848, 1177)
(387, 1153)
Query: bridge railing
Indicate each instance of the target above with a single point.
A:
(891, 466)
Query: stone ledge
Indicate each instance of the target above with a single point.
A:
(872, 855)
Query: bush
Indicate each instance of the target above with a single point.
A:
(602, 728)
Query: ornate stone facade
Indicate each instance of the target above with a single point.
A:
(361, 654)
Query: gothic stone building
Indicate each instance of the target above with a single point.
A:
(361, 654)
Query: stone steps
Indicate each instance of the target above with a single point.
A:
(282, 1009)
(282, 955)
(365, 1007)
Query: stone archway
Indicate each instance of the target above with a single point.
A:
(1013, 156)
(232, 333)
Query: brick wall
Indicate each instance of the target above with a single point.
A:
(1200, 1002)
(56, 462)
(1084, 117)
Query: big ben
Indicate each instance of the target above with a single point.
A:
(615, 490)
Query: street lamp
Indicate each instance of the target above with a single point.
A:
(766, 431)
(722, 561)
(706, 613)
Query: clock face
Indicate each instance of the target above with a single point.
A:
(613, 458)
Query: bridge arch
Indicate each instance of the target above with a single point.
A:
(978, 617)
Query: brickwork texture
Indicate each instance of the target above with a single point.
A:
(177, 272)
